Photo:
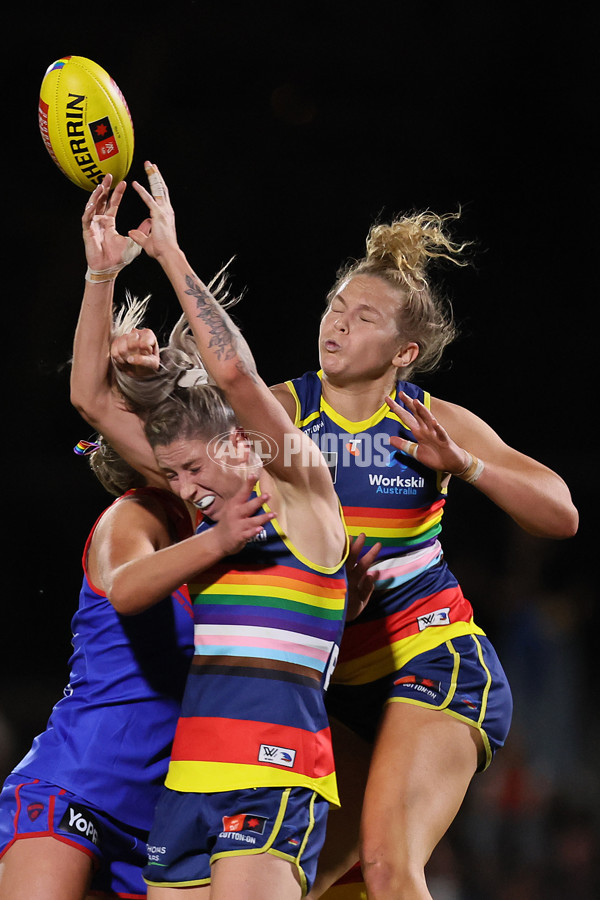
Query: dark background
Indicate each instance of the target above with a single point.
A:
(284, 131)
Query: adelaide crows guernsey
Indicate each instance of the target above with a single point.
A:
(390, 497)
(109, 737)
(267, 629)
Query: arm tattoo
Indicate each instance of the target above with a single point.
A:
(222, 338)
(225, 339)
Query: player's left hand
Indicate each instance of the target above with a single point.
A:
(433, 446)
(158, 234)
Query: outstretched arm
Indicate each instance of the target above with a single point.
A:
(92, 391)
(454, 440)
(223, 348)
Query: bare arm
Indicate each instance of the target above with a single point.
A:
(135, 562)
(225, 352)
(92, 392)
(532, 494)
(307, 506)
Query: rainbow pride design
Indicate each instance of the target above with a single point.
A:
(84, 448)
(395, 527)
(267, 627)
(280, 614)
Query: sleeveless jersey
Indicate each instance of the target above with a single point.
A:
(267, 629)
(109, 738)
(390, 497)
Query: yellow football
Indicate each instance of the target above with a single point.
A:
(85, 122)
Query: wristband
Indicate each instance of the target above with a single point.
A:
(472, 470)
(98, 276)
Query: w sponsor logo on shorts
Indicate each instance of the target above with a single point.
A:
(79, 820)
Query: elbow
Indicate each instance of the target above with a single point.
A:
(85, 405)
(556, 516)
(121, 603)
(124, 600)
(567, 519)
(570, 523)
(231, 376)
(562, 526)
(93, 408)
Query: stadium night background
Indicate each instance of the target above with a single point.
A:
(283, 132)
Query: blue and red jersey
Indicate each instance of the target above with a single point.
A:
(108, 739)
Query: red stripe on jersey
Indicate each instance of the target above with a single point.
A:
(238, 741)
(367, 637)
(377, 513)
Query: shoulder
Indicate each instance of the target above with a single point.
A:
(451, 415)
(298, 394)
(468, 429)
(413, 391)
(144, 511)
(286, 396)
(167, 506)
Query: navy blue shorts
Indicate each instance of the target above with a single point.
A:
(191, 831)
(33, 808)
(462, 677)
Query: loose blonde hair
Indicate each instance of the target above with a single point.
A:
(180, 362)
(401, 253)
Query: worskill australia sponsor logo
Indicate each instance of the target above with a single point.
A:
(396, 484)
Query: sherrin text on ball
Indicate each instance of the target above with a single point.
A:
(85, 122)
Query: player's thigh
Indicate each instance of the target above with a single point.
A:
(44, 867)
(255, 877)
(172, 893)
(422, 764)
(340, 851)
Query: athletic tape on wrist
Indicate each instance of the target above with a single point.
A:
(472, 471)
(98, 276)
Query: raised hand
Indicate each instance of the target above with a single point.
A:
(158, 233)
(434, 447)
(106, 250)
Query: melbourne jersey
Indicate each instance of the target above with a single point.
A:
(267, 628)
(392, 498)
(109, 738)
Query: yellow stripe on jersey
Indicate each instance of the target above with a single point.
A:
(199, 776)
(392, 657)
(260, 590)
